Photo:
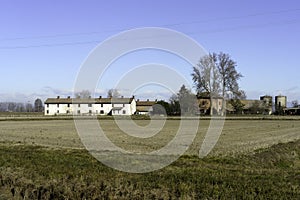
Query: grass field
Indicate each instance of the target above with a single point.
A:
(44, 159)
(238, 136)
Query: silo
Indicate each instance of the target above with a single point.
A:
(280, 102)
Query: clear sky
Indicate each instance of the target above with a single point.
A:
(44, 43)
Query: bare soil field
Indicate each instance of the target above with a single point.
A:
(45, 159)
(238, 136)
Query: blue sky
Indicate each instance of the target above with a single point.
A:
(44, 43)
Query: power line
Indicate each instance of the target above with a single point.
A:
(237, 17)
(282, 23)
(49, 45)
(163, 25)
(254, 26)
(61, 35)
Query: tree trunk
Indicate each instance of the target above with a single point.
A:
(211, 107)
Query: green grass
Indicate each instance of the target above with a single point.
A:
(34, 172)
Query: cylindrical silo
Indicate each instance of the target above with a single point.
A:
(280, 102)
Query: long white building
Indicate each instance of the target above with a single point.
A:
(90, 106)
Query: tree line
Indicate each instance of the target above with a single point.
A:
(215, 76)
(37, 106)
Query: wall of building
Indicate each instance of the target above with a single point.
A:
(102, 109)
(90, 109)
(281, 101)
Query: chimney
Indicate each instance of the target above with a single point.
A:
(90, 97)
(122, 97)
(69, 97)
(133, 96)
(100, 97)
(147, 99)
(57, 97)
(137, 100)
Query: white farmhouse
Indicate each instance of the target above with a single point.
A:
(90, 106)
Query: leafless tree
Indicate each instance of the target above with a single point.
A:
(83, 94)
(113, 93)
(12, 106)
(29, 107)
(295, 103)
(20, 107)
(216, 75)
(205, 75)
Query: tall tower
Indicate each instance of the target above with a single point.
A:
(280, 103)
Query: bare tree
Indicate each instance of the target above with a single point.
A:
(2, 109)
(4, 106)
(113, 93)
(295, 103)
(83, 94)
(206, 77)
(12, 106)
(229, 77)
(20, 107)
(29, 107)
(217, 75)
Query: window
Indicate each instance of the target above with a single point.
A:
(68, 105)
(57, 111)
(47, 111)
(124, 112)
(101, 105)
(113, 105)
(123, 105)
(78, 111)
(102, 112)
(90, 105)
(68, 111)
(90, 111)
(58, 105)
(96, 111)
(47, 105)
(78, 105)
